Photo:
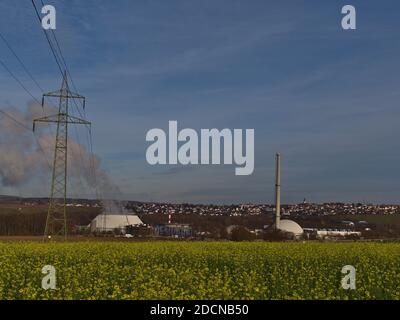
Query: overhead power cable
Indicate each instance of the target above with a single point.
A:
(59, 57)
(22, 64)
(57, 52)
(15, 120)
(25, 89)
(19, 81)
(30, 130)
(20, 61)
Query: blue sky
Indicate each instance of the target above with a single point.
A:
(325, 98)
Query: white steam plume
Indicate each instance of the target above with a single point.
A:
(22, 156)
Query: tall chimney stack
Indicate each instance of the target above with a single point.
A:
(278, 191)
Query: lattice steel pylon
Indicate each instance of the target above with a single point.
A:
(56, 221)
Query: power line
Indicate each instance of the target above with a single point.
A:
(62, 64)
(90, 145)
(29, 129)
(15, 120)
(68, 72)
(56, 222)
(22, 64)
(26, 90)
(19, 82)
(59, 54)
(59, 57)
(80, 155)
(20, 61)
(60, 60)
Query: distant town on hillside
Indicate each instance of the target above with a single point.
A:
(301, 209)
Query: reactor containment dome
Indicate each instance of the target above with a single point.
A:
(290, 226)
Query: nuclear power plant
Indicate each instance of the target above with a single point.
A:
(291, 229)
(288, 227)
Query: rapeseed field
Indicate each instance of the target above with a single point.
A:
(199, 270)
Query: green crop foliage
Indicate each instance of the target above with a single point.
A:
(199, 270)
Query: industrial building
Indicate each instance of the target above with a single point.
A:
(176, 230)
(327, 234)
(111, 222)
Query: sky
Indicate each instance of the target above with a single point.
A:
(325, 98)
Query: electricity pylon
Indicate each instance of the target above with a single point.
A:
(56, 221)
